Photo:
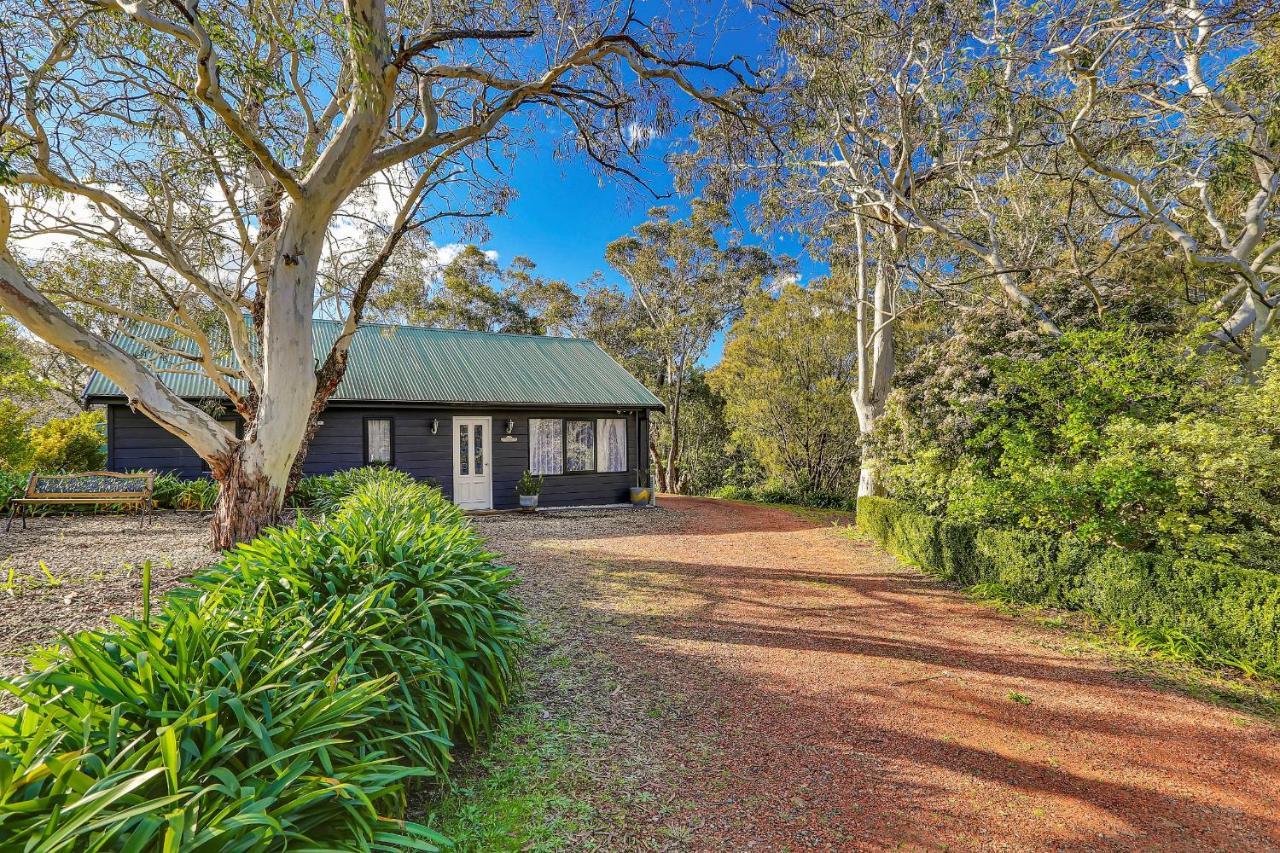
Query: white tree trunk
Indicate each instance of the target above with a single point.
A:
(144, 390)
(875, 327)
(257, 478)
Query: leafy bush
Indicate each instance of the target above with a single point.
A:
(1230, 613)
(12, 484)
(1113, 436)
(169, 491)
(69, 444)
(775, 493)
(325, 492)
(165, 489)
(283, 701)
(15, 451)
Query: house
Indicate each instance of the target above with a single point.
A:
(469, 411)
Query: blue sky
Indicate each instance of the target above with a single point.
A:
(566, 213)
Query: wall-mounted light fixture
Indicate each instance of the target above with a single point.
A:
(511, 425)
(435, 425)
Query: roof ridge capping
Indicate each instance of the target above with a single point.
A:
(419, 327)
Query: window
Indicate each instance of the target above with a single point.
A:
(546, 446)
(611, 445)
(378, 442)
(579, 446)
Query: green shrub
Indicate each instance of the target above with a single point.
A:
(1228, 614)
(69, 444)
(283, 701)
(324, 492)
(734, 493)
(15, 450)
(775, 493)
(165, 489)
(12, 485)
(198, 494)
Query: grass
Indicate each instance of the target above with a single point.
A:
(518, 793)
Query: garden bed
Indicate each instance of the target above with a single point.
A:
(91, 572)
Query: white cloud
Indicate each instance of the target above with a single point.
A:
(641, 134)
(445, 254)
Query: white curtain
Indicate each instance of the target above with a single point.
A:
(611, 444)
(580, 445)
(546, 445)
(379, 439)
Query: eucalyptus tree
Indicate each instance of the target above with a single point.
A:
(909, 140)
(1175, 110)
(218, 145)
(686, 285)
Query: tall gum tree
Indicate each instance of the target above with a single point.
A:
(687, 285)
(215, 144)
(904, 136)
(1175, 111)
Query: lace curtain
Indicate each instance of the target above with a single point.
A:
(379, 440)
(611, 444)
(546, 443)
(580, 445)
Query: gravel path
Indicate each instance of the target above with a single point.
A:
(93, 574)
(789, 688)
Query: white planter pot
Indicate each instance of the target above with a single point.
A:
(528, 501)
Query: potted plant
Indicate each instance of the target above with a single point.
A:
(640, 495)
(528, 490)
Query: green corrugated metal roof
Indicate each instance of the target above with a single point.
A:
(415, 364)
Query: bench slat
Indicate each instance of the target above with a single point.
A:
(87, 497)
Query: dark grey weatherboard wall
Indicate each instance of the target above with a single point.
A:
(135, 442)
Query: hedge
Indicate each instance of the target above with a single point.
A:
(284, 700)
(1228, 614)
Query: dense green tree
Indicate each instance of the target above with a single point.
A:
(786, 377)
(471, 296)
(685, 285)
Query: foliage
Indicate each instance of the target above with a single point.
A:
(326, 492)
(776, 493)
(69, 444)
(15, 450)
(1231, 614)
(470, 296)
(18, 378)
(1111, 434)
(707, 456)
(169, 491)
(529, 484)
(786, 378)
(282, 701)
(686, 284)
(12, 484)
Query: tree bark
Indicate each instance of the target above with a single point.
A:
(248, 502)
(875, 320)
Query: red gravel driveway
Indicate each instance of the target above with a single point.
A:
(850, 703)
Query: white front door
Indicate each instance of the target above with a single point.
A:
(472, 474)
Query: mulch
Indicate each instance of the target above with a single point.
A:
(768, 683)
(94, 572)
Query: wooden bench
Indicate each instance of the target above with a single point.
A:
(92, 487)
